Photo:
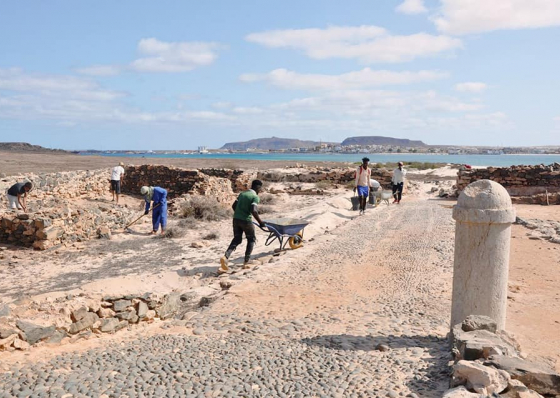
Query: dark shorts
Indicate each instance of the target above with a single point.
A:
(115, 186)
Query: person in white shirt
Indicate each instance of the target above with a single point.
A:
(117, 174)
(361, 184)
(398, 182)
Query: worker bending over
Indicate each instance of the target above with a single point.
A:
(158, 196)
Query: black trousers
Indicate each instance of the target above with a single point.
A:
(397, 191)
(241, 227)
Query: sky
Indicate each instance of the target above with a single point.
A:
(181, 74)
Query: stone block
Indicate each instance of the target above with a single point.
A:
(121, 305)
(170, 306)
(85, 323)
(538, 377)
(33, 333)
(142, 309)
(482, 379)
(79, 314)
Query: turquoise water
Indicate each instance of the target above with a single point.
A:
(474, 160)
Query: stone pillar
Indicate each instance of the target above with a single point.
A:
(484, 215)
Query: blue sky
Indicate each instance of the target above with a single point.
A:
(179, 74)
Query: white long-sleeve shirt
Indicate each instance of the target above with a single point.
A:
(398, 176)
(362, 177)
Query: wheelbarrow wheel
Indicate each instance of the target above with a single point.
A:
(296, 241)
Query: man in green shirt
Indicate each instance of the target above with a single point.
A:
(245, 208)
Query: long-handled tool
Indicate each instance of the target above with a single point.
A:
(143, 214)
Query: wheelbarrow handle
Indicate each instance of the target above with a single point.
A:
(266, 228)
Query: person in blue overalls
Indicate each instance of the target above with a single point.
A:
(159, 210)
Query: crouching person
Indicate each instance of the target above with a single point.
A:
(245, 208)
(157, 197)
(17, 195)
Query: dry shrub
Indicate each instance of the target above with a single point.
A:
(265, 209)
(211, 236)
(187, 223)
(172, 233)
(268, 198)
(203, 208)
(325, 184)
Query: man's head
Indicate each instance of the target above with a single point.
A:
(256, 185)
(28, 186)
(365, 162)
(400, 165)
(121, 164)
(144, 190)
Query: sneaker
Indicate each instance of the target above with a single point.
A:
(224, 263)
(395, 201)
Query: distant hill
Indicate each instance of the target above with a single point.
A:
(25, 147)
(269, 143)
(378, 140)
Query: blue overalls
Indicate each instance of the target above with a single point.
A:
(159, 213)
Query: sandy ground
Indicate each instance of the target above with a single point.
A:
(16, 163)
(388, 272)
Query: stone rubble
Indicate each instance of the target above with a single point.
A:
(488, 361)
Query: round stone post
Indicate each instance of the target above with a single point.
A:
(484, 215)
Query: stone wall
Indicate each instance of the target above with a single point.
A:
(221, 183)
(61, 224)
(518, 180)
(336, 176)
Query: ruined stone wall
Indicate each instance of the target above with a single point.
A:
(336, 176)
(69, 184)
(63, 223)
(175, 180)
(518, 180)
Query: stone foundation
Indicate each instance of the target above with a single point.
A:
(518, 180)
(335, 176)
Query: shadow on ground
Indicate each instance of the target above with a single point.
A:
(436, 354)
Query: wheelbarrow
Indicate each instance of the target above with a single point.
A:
(288, 231)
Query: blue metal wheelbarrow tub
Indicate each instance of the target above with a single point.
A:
(286, 230)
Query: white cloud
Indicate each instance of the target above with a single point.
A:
(459, 17)
(368, 44)
(173, 56)
(352, 80)
(69, 87)
(412, 7)
(222, 105)
(471, 87)
(160, 56)
(251, 110)
(100, 70)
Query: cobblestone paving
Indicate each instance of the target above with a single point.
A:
(371, 322)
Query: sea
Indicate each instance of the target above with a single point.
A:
(473, 160)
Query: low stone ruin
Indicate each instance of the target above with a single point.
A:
(541, 229)
(319, 174)
(488, 362)
(530, 184)
(65, 207)
(68, 319)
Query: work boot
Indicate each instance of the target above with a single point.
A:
(223, 264)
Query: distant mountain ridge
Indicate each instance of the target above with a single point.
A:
(269, 143)
(26, 147)
(379, 140)
(275, 143)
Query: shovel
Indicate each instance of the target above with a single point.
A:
(135, 221)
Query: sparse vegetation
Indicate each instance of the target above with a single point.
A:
(265, 209)
(268, 198)
(211, 236)
(172, 233)
(325, 184)
(204, 208)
